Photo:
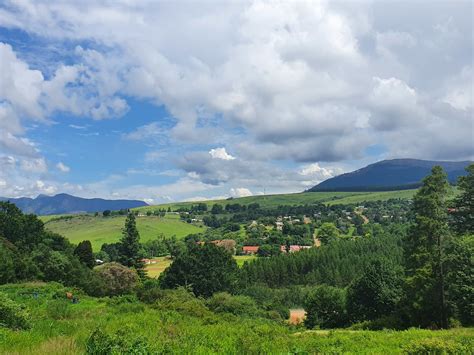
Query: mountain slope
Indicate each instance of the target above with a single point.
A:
(64, 203)
(389, 175)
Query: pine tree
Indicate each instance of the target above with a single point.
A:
(424, 247)
(463, 221)
(130, 245)
(84, 252)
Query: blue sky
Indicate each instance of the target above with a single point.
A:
(166, 101)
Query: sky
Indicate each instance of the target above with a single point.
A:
(189, 100)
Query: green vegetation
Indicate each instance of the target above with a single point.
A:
(303, 198)
(386, 265)
(178, 323)
(99, 230)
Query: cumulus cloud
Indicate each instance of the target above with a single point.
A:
(62, 167)
(220, 153)
(302, 82)
(240, 192)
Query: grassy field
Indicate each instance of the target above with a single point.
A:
(60, 327)
(298, 199)
(100, 230)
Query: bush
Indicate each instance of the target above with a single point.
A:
(115, 279)
(224, 302)
(12, 315)
(182, 301)
(326, 308)
(435, 347)
(59, 309)
(101, 343)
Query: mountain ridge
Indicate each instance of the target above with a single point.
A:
(64, 203)
(390, 174)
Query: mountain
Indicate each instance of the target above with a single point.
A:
(64, 203)
(386, 175)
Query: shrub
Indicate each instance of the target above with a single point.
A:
(59, 309)
(12, 315)
(435, 347)
(224, 302)
(182, 301)
(326, 308)
(100, 343)
(115, 279)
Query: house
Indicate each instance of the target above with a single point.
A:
(306, 220)
(294, 248)
(279, 225)
(250, 249)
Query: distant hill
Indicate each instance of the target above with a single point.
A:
(388, 175)
(64, 203)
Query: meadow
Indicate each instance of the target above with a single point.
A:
(296, 199)
(100, 230)
(61, 327)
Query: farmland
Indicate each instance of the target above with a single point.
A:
(100, 230)
(298, 199)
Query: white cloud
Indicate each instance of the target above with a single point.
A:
(63, 168)
(220, 153)
(240, 192)
(297, 81)
(34, 165)
(3, 183)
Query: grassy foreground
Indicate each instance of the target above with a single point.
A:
(60, 327)
(100, 230)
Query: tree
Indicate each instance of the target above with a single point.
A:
(326, 308)
(376, 293)
(106, 213)
(463, 216)
(424, 253)
(328, 233)
(130, 246)
(217, 209)
(84, 252)
(114, 279)
(460, 278)
(205, 269)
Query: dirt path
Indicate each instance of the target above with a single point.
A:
(359, 212)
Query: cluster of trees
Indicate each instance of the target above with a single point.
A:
(436, 286)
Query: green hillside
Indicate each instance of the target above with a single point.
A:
(100, 230)
(298, 199)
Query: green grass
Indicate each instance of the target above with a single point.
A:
(100, 230)
(297, 199)
(190, 329)
(241, 259)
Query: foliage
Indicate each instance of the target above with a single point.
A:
(59, 308)
(100, 343)
(326, 308)
(460, 278)
(336, 264)
(115, 279)
(224, 302)
(424, 248)
(130, 246)
(13, 315)
(463, 216)
(204, 269)
(84, 252)
(376, 293)
(328, 233)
